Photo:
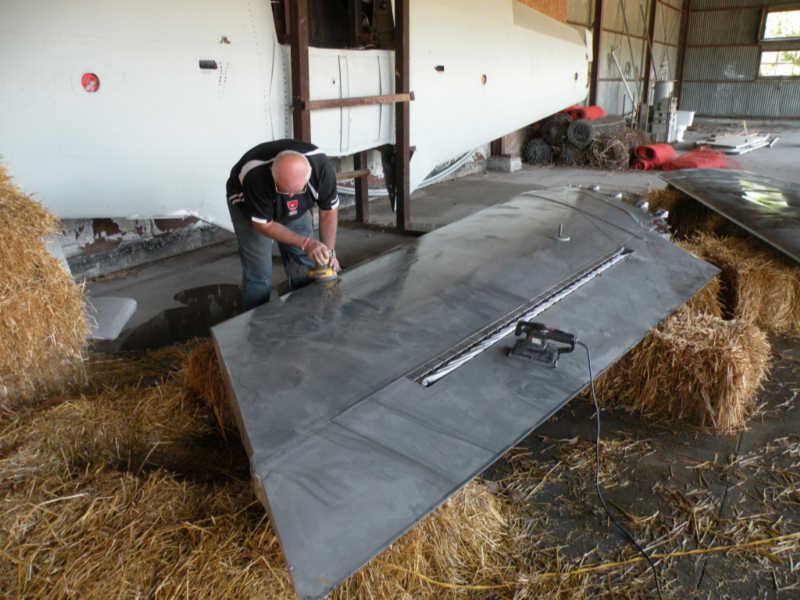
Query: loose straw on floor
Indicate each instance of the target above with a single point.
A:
(594, 568)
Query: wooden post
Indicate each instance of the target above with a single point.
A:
(402, 113)
(687, 8)
(596, 29)
(300, 87)
(649, 55)
(355, 8)
(362, 188)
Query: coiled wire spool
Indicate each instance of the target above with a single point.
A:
(574, 156)
(580, 133)
(553, 129)
(611, 153)
(537, 152)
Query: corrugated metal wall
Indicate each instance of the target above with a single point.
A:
(624, 30)
(618, 79)
(720, 73)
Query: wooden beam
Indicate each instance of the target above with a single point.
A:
(402, 113)
(687, 7)
(355, 8)
(648, 60)
(300, 87)
(596, 31)
(362, 187)
(358, 101)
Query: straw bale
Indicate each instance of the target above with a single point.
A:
(695, 368)
(203, 376)
(130, 491)
(43, 326)
(707, 300)
(759, 285)
(85, 512)
(686, 215)
(465, 542)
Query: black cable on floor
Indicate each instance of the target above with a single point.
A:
(624, 532)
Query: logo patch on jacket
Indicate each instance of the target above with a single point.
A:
(292, 206)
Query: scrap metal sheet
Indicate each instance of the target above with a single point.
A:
(766, 207)
(347, 450)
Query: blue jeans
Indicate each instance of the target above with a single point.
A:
(255, 252)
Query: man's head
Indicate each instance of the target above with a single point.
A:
(291, 171)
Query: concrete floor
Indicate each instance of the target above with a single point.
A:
(181, 297)
(780, 161)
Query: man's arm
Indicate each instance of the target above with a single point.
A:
(328, 223)
(316, 251)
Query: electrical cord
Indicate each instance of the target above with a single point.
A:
(625, 533)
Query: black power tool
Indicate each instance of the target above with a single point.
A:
(542, 343)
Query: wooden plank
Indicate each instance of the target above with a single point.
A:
(402, 113)
(301, 116)
(362, 187)
(358, 101)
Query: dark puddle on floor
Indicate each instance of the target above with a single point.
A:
(203, 307)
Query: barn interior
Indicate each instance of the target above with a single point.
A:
(130, 463)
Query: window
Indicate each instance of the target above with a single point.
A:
(783, 63)
(780, 43)
(780, 25)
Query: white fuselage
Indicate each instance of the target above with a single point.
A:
(158, 137)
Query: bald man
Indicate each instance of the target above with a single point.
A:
(270, 193)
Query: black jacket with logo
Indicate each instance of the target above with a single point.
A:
(251, 186)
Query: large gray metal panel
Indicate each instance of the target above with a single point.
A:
(611, 95)
(766, 207)
(739, 63)
(710, 4)
(668, 24)
(724, 27)
(620, 45)
(666, 61)
(763, 97)
(613, 17)
(347, 450)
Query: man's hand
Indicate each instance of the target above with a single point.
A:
(318, 252)
(335, 264)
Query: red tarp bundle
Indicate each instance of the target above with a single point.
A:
(701, 158)
(642, 164)
(585, 112)
(658, 154)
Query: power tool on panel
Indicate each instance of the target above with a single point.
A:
(542, 343)
(324, 273)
